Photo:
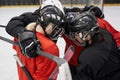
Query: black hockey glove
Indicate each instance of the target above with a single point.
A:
(74, 9)
(95, 10)
(28, 43)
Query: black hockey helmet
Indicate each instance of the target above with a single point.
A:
(83, 22)
(68, 17)
(85, 25)
(95, 10)
(51, 11)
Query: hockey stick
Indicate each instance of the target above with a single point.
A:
(69, 53)
(63, 65)
(23, 67)
(8, 40)
(55, 72)
(2, 26)
(17, 58)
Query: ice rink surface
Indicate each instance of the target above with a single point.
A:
(8, 70)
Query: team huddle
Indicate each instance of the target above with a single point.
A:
(96, 42)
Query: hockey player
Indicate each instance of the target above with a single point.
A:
(73, 61)
(103, 23)
(98, 60)
(31, 30)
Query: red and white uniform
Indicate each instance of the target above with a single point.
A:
(40, 67)
(78, 49)
(103, 24)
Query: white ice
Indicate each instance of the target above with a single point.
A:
(8, 70)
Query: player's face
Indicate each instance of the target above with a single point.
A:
(81, 37)
(78, 37)
(49, 28)
(53, 31)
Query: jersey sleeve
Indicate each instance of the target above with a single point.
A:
(17, 24)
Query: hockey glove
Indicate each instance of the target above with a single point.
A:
(95, 10)
(74, 9)
(28, 43)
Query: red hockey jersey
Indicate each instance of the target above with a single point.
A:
(40, 67)
(116, 34)
(103, 24)
(78, 49)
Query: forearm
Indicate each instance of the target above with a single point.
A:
(15, 26)
(18, 24)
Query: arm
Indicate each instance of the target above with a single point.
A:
(106, 25)
(17, 24)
